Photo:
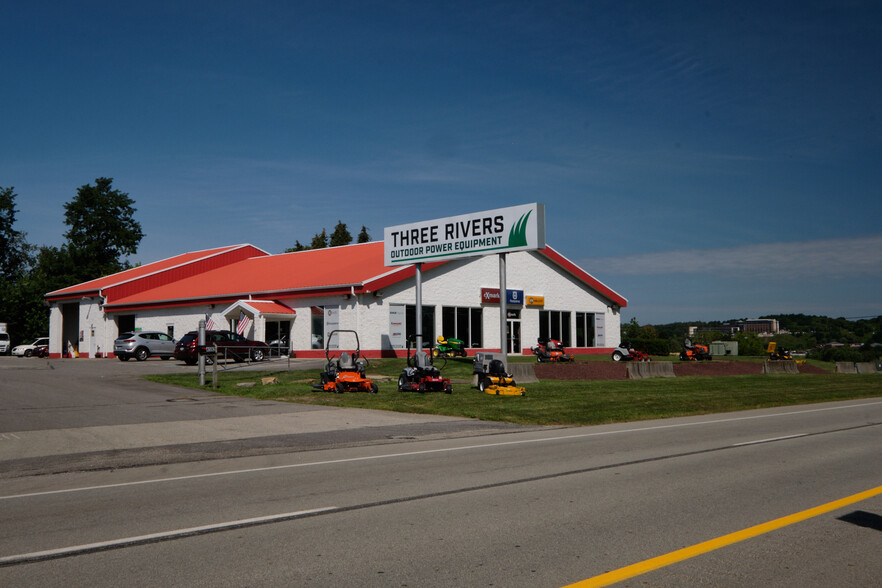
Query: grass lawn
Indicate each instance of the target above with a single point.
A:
(554, 402)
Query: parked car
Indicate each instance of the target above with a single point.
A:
(28, 350)
(229, 345)
(144, 344)
(4, 343)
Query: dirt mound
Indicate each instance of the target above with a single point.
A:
(609, 370)
(582, 370)
(718, 368)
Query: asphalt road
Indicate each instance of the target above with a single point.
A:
(528, 507)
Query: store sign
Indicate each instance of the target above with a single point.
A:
(516, 228)
(535, 300)
(491, 296)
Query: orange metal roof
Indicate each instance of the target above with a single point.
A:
(138, 273)
(269, 307)
(359, 267)
(315, 269)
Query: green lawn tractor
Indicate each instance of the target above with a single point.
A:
(449, 348)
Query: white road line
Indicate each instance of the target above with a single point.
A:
(177, 533)
(757, 442)
(441, 450)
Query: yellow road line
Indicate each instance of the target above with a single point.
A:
(694, 550)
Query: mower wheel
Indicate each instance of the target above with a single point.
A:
(338, 388)
(374, 388)
(448, 389)
(484, 383)
(402, 382)
(435, 353)
(617, 356)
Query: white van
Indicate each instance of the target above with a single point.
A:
(4, 343)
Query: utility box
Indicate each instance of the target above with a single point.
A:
(721, 348)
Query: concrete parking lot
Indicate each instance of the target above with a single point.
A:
(71, 414)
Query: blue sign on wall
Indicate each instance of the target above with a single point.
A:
(514, 296)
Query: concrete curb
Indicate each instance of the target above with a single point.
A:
(650, 369)
(780, 367)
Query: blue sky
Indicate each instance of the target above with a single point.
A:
(706, 160)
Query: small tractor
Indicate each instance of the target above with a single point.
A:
(550, 350)
(694, 352)
(492, 377)
(421, 375)
(626, 352)
(449, 348)
(778, 354)
(347, 373)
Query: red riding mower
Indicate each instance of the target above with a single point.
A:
(421, 375)
(626, 352)
(694, 352)
(550, 350)
(347, 374)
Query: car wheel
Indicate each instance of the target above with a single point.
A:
(123, 357)
(257, 355)
(141, 354)
(27, 353)
(165, 357)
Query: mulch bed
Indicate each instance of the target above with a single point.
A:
(581, 370)
(718, 368)
(599, 370)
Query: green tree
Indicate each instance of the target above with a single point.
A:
(298, 246)
(15, 259)
(319, 240)
(102, 230)
(363, 236)
(341, 235)
(631, 330)
(15, 253)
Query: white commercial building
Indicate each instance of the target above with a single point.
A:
(300, 297)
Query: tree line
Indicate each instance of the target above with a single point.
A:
(800, 332)
(340, 236)
(101, 233)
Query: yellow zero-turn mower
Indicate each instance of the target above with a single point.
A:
(493, 379)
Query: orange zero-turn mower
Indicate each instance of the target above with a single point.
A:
(347, 372)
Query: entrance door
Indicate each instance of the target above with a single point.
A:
(513, 335)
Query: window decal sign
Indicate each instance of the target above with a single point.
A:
(516, 228)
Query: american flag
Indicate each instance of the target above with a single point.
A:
(209, 324)
(242, 326)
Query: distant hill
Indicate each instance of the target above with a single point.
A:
(798, 331)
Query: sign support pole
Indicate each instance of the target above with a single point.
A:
(418, 278)
(200, 342)
(503, 313)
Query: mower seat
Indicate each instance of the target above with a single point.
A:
(421, 360)
(345, 363)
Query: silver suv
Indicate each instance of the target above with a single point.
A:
(143, 344)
